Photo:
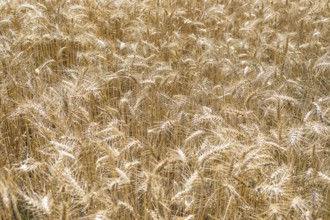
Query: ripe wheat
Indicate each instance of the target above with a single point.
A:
(164, 109)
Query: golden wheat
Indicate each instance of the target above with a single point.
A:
(214, 109)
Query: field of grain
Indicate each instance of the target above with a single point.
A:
(165, 109)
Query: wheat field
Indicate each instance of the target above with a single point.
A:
(165, 109)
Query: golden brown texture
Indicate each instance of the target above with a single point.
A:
(164, 109)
